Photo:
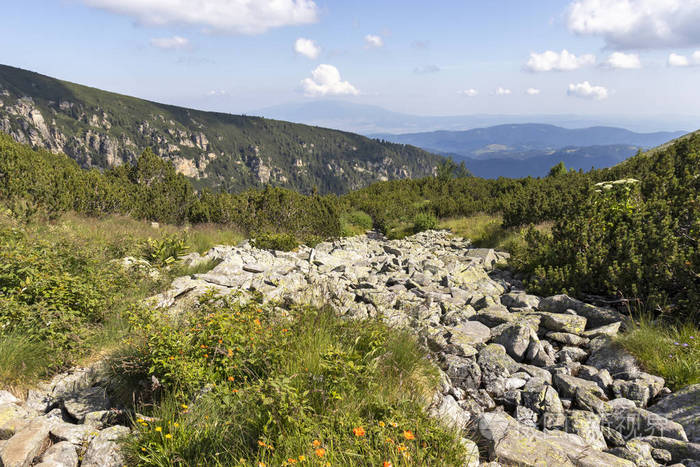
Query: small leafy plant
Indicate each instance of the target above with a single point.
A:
(278, 242)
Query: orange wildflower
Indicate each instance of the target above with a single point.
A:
(387, 464)
(359, 431)
(291, 461)
(257, 322)
(261, 443)
(231, 378)
(320, 452)
(316, 443)
(408, 435)
(230, 353)
(382, 424)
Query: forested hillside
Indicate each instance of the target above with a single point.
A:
(220, 151)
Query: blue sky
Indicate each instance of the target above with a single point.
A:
(430, 58)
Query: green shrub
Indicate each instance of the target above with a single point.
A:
(424, 221)
(279, 242)
(164, 251)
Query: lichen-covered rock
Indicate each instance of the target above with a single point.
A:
(447, 410)
(464, 373)
(103, 450)
(572, 324)
(587, 426)
(515, 338)
(594, 315)
(682, 407)
(680, 450)
(635, 422)
(12, 419)
(61, 454)
(27, 444)
(605, 354)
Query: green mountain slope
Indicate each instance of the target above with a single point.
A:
(220, 151)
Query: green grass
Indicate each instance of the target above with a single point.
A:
(22, 362)
(486, 231)
(63, 301)
(309, 389)
(665, 349)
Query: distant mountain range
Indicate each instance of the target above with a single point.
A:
(101, 129)
(520, 150)
(371, 119)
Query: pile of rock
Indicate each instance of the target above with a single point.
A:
(65, 423)
(539, 380)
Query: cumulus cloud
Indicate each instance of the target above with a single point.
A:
(623, 61)
(425, 69)
(586, 90)
(532, 91)
(557, 61)
(175, 42)
(373, 40)
(637, 24)
(503, 91)
(307, 48)
(232, 16)
(325, 81)
(676, 60)
(468, 92)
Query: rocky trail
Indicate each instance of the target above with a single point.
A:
(534, 380)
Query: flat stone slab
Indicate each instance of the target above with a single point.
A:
(26, 444)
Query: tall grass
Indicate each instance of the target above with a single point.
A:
(671, 350)
(486, 231)
(22, 362)
(321, 390)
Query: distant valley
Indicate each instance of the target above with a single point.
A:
(520, 150)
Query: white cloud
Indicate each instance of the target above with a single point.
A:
(373, 40)
(307, 48)
(175, 42)
(232, 16)
(325, 81)
(532, 91)
(468, 92)
(623, 61)
(217, 92)
(637, 24)
(557, 61)
(587, 91)
(503, 91)
(676, 60)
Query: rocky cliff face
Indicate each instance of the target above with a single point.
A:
(539, 378)
(100, 129)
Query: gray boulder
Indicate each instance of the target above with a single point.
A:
(103, 450)
(606, 354)
(516, 339)
(89, 400)
(493, 315)
(594, 315)
(27, 444)
(635, 422)
(61, 454)
(573, 324)
(679, 450)
(587, 426)
(682, 407)
(464, 373)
